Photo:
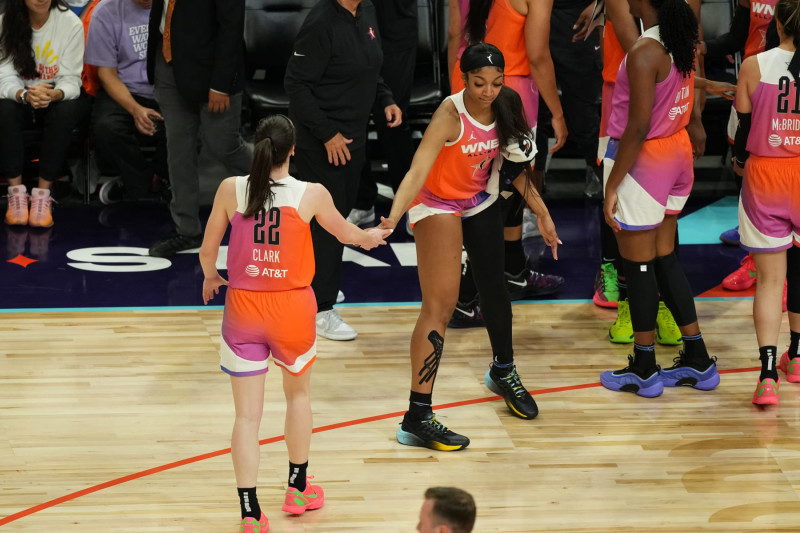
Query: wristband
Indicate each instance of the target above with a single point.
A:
(23, 97)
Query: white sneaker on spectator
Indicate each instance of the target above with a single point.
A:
(361, 216)
(331, 326)
(111, 191)
(340, 297)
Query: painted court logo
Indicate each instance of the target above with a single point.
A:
(775, 140)
(252, 271)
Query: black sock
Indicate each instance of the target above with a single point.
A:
(467, 291)
(515, 257)
(694, 348)
(794, 344)
(768, 362)
(248, 501)
(644, 360)
(297, 476)
(500, 370)
(622, 285)
(419, 404)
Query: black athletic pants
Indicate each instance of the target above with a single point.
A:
(342, 182)
(483, 240)
(56, 122)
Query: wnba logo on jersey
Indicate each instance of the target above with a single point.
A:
(479, 147)
(775, 140)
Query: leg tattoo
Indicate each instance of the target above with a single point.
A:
(431, 367)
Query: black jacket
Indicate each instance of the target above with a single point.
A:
(207, 46)
(333, 76)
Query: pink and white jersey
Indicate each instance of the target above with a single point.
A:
(463, 165)
(672, 105)
(271, 251)
(775, 122)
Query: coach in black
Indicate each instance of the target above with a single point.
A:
(332, 80)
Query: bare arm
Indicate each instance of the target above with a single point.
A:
(221, 213)
(537, 46)
(546, 226)
(445, 125)
(317, 202)
(625, 27)
(453, 36)
(142, 116)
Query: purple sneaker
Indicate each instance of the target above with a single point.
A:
(467, 315)
(730, 236)
(685, 373)
(530, 284)
(626, 380)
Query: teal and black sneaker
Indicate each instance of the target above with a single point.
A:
(429, 433)
(517, 398)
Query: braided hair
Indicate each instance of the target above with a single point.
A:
(274, 139)
(788, 14)
(679, 33)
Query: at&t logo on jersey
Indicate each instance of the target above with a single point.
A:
(677, 111)
(775, 140)
(252, 271)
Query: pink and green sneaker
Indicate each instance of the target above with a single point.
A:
(251, 525)
(791, 367)
(767, 392)
(299, 502)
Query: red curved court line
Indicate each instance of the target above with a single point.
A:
(197, 458)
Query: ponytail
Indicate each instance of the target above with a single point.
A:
(509, 116)
(678, 26)
(274, 139)
(475, 25)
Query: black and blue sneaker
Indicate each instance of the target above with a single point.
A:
(701, 375)
(647, 384)
(518, 400)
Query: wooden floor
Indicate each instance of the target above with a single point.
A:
(120, 422)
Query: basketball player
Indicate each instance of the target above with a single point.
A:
(453, 203)
(648, 176)
(521, 30)
(270, 307)
(768, 108)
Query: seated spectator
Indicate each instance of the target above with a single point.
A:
(125, 104)
(446, 510)
(41, 57)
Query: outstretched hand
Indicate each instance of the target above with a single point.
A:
(211, 287)
(376, 237)
(387, 223)
(548, 230)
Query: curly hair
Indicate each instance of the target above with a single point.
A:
(679, 33)
(16, 34)
(788, 14)
(475, 25)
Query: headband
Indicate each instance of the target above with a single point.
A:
(476, 60)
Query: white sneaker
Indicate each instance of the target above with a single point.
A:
(361, 216)
(331, 326)
(340, 297)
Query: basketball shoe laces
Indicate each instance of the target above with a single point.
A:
(39, 205)
(609, 278)
(514, 383)
(17, 202)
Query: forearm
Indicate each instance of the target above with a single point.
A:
(208, 261)
(531, 195)
(117, 90)
(543, 74)
(406, 192)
